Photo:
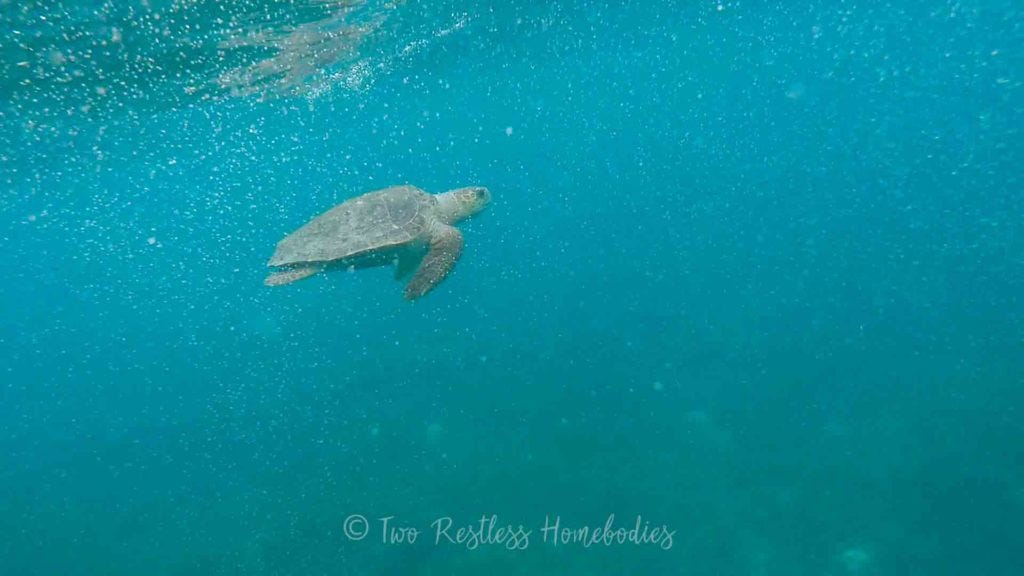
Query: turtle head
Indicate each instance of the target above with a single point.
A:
(463, 203)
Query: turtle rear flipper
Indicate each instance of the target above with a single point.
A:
(288, 276)
(445, 249)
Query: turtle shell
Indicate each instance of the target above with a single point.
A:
(378, 220)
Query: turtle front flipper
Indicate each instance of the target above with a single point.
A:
(445, 248)
(291, 275)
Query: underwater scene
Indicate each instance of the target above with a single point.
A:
(519, 287)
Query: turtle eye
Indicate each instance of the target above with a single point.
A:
(480, 194)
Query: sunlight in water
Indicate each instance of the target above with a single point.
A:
(160, 55)
(305, 57)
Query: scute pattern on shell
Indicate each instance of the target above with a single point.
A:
(377, 220)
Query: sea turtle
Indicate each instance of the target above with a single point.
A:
(402, 225)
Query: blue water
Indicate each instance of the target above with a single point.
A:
(752, 274)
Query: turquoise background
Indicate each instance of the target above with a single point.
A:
(751, 271)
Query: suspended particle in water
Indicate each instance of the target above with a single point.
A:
(857, 561)
(508, 131)
(796, 91)
(434, 432)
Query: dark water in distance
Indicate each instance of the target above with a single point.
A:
(752, 273)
